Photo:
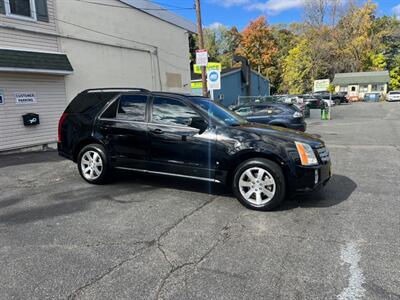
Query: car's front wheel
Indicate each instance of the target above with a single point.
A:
(93, 163)
(259, 184)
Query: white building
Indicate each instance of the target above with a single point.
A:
(52, 49)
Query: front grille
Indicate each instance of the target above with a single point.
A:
(323, 154)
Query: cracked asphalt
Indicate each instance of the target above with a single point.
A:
(151, 237)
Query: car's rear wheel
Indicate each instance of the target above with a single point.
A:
(93, 163)
(259, 184)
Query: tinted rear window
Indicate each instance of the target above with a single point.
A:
(89, 102)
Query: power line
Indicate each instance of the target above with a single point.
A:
(110, 35)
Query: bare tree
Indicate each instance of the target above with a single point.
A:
(315, 12)
(325, 12)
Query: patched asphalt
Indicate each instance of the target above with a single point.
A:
(151, 237)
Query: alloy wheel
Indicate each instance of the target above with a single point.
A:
(257, 186)
(91, 165)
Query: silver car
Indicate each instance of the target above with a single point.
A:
(393, 96)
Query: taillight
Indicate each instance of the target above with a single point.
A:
(60, 123)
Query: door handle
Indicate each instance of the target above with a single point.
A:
(157, 131)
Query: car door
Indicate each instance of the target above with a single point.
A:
(262, 114)
(177, 145)
(123, 125)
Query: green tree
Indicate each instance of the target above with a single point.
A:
(378, 62)
(297, 69)
(395, 74)
(354, 38)
(285, 41)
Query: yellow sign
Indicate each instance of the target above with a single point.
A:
(197, 85)
(210, 66)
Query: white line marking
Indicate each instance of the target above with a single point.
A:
(350, 255)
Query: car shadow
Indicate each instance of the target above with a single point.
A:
(73, 201)
(121, 177)
(337, 190)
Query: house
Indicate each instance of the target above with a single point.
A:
(233, 85)
(32, 73)
(50, 50)
(357, 84)
(124, 43)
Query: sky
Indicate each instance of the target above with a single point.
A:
(240, 12)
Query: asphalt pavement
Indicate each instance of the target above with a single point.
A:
(151, 237)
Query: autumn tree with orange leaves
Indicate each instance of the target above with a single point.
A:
(258, 45)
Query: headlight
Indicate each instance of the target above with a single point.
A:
(297, 114)
(307, 155)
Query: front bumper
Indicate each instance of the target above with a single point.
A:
(309, 179)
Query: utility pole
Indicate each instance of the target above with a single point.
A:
(201, 46)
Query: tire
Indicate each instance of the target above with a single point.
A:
(269, 190)
(93, 164)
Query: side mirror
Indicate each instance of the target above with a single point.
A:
(199, 123)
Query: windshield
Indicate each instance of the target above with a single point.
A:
(394, 93)
(218, 112)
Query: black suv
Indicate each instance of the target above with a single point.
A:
(191, 137)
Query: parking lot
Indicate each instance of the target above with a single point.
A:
(151, 237)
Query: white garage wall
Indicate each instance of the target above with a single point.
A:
(100, 40)
(98, 66)
(51, 102)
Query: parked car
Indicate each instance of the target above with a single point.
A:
(327, 98)
(393, 96)
(277, 114)
(372, 97)
(304, 109)
(189, 137)
(312, 102)
(341, 97)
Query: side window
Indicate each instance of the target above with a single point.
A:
(268, 110)
(111, 111)
(132, 107)
(174, 112)
(244, 111)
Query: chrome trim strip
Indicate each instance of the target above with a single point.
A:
(175, 126)
(150, 124)
(169, 174)
(123, 121)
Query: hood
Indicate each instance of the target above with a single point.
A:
(283, 134)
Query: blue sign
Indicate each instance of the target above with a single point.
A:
(214, 76)
(214, 80)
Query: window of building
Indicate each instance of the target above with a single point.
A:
(364, 88)
(132, 108)
(353, 88)
(378, 87)
(171, 111)
(24, 9)
(343, 88)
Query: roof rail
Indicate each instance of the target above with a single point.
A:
(114, 89)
